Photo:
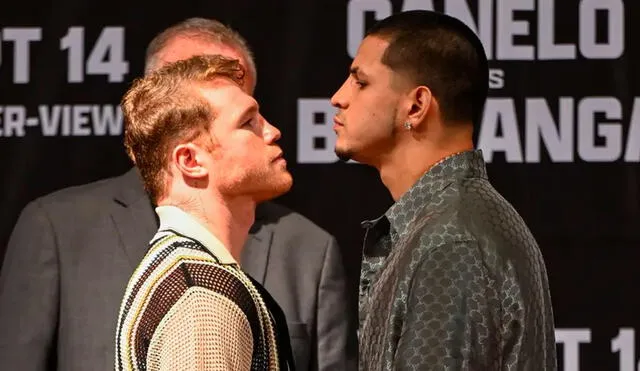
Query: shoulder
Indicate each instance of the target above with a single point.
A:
(491, 217)
(175, 260)
(477, 220)
(471, 209)
(90, 195)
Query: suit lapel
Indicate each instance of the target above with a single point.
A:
(255, 255)
(133, 216)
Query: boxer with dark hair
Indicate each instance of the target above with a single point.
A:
(452, 278)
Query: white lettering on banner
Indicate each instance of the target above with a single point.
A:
(13, 119)
(316, 138)
(571, 340)
(624, 344)
(62, 120)
(633, 143)
(614, 47)
(502, 13)
(595, 140)
(500, 111)
(507, 28)
(416, 5)
(541, 125)
(611, 132)
(591, 129)
(21, 37)
(356, 27)
(496, 78)
(548, 49)
(106, 57)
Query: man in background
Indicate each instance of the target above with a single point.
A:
(72, 252)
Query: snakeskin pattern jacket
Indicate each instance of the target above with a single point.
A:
(452, 279)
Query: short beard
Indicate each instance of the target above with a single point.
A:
(343, 155)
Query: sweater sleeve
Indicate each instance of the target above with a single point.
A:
(204, 330)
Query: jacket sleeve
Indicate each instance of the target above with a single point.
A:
(29, 293)
(336, 326)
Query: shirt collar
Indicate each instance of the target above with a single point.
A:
(175, 219)
(467, 164)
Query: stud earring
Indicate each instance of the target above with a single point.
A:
(408, 126)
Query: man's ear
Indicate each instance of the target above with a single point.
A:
(420, 100)
(188, 159)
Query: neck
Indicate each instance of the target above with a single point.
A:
(227, 218)
(409, 161)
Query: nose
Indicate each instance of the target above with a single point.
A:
(270, 132)
(339, 97)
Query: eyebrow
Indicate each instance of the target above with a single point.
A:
(357, 72)
(248, 111)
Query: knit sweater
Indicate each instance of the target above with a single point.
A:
(189, 306)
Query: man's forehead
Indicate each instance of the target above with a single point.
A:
(181, 47)
(369, 55)
(222, 92)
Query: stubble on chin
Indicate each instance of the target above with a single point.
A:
(275, 186)
(343, 155)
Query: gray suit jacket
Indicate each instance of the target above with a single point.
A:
(71, 254)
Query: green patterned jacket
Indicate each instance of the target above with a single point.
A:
(452, 279)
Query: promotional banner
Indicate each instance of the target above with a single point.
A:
(560, 131)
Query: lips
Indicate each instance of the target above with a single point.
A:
(279, 160)
(337, 121)
(278, 157)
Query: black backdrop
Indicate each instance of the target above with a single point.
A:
(561, 131)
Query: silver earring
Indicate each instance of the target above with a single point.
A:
(408, 126)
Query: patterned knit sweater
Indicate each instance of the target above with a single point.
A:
(189, 306)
